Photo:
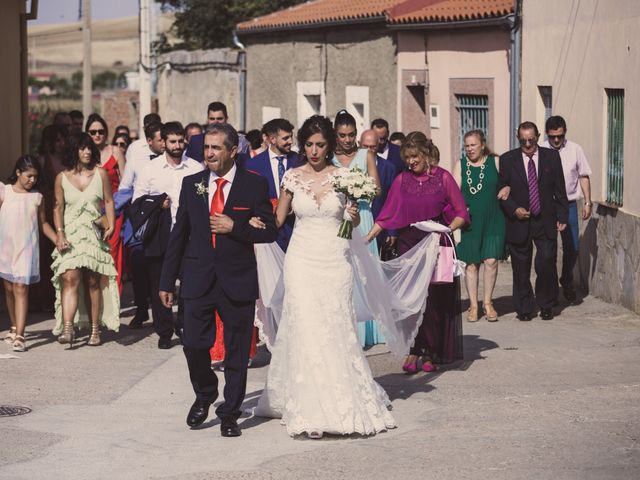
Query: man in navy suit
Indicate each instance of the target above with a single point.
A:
(387, 174)
(536, 210)
(213, 240)
(386, 149)
(216, 113)
(272, 163)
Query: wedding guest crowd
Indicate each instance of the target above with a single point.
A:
(114, 203)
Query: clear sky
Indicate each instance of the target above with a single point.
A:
(65, 11)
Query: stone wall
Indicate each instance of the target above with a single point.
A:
(349, 56)
(189, 81)
(609, 262)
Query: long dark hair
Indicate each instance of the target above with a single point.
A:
(311, 126)
(76, 143)
(24, 163)
(94, 117)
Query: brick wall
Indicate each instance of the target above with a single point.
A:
(120, 108)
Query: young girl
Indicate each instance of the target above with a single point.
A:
(21, 212)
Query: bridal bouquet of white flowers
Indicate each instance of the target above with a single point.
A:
(355, 185)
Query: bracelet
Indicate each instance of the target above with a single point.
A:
(587, 204)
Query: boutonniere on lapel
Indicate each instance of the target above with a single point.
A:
(203, 190)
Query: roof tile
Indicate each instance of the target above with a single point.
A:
(318, 12)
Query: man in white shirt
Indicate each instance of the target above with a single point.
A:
(164, 174)
(139, 155)
(576, 171)
(142, 150)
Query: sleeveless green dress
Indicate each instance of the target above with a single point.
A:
(484, 238)
(80, 209)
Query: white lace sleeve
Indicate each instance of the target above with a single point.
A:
(290, 180)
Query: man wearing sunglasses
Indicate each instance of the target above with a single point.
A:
(576, 176)
(536, 210)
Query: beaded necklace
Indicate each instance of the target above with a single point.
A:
(473, 190)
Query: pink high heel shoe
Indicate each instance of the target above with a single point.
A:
(410, 367)
(428, 366)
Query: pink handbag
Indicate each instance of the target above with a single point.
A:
(447, 263)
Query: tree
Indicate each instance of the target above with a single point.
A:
(205, 24)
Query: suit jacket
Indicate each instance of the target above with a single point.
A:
(554, 205)
(387, 173)
(147, 212)
(261, 164)
(395, 158)
(232, 262)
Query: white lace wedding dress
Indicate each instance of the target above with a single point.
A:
(319, 379)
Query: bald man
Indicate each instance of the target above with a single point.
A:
(387, 173)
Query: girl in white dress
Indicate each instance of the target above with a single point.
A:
(21, 213)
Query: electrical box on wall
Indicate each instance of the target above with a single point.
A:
(434, 116)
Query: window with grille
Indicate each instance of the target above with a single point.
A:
(474, 115)
(615, 145)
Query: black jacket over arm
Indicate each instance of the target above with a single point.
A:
(232, 262)
(554, 205)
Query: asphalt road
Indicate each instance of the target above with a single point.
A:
(536, 400)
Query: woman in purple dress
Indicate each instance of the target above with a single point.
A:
(427, 192)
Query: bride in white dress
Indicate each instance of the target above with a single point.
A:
(319, 380)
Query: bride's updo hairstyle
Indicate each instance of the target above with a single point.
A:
(311, 126)
(416, 144)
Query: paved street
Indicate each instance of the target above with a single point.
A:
(537, 400)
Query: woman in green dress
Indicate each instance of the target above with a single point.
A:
(483, 240)
(84, 275)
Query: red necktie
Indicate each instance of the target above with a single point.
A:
(217, 203)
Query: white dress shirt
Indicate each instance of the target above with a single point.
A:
(159, 176)
(385, 153)
(574, 166)
(226, 188)
(274, 169)
(138, 157)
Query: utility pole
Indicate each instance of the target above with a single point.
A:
(87, 108)
(145, 62)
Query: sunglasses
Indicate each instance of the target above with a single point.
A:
(556, 137)
(96, 132)
(121, 144)
(528, 141)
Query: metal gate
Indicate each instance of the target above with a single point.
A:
(474, 115)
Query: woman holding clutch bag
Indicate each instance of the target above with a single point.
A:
(427, 192)
(84, 275)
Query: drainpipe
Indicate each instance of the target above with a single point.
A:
(514, 87)
(242, 60)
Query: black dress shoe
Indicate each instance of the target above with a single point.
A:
(569, 293)
(139, 318)
(179, 333)
(546, 314)
(198, 413)
(164, 343)
(524, 317)
(229, 428)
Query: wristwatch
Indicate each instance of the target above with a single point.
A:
(587, 204)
